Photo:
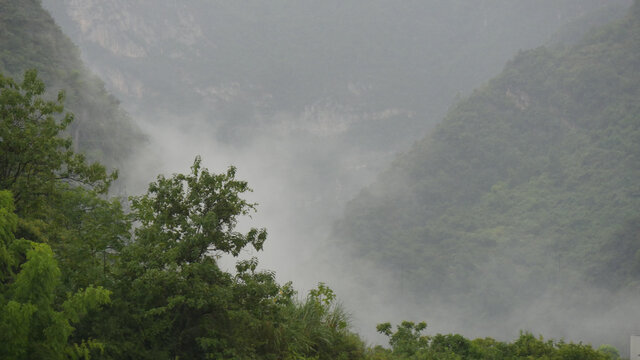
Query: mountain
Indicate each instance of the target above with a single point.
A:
(29, 38)
(522, 208)
(347, 71)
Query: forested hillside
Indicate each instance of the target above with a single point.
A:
(29, 39)
(85, 276)
(524, 203)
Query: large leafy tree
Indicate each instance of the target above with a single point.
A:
(172, 297)
(34, 157)
(187, 218)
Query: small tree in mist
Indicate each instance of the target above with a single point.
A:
(609, 350)
(407, 339)
(318, 328)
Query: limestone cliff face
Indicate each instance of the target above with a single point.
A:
(132, 29)
(122, 39)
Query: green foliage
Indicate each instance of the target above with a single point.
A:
(87, 232)
(33, 322)
(186, 217)
(316, 328)
(408, 343)
(57, 192)
(33, 156)
(8, 225)
(171, 299)
(610, 351)
(407, 340)
(322, 295)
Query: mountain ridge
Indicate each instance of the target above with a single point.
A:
(527, 188)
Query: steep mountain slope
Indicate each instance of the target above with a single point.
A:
(522, 208)
(29, 38)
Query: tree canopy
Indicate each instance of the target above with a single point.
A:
(35, 158)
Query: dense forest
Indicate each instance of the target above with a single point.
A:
(526, 197)
(531, 179)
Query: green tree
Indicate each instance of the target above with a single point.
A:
(610, 350)
(407, 340)
(57, 192)
(34, 323)
(34, 157)
(171, 297)
(86, 233)
(187, 218)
